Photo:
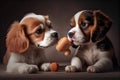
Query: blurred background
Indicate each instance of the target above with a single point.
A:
(60, 12)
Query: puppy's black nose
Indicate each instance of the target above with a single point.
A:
(55, 35)
(70, 34)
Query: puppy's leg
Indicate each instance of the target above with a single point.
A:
(45, 67)
(76, 65)
(22, 68)
(104, 64)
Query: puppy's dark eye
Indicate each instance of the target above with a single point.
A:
(84, 25)
(39, 31)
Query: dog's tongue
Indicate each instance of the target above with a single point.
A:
(74, 39)
(72, 42)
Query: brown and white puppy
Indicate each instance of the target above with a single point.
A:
(88, 34)
(25, 44)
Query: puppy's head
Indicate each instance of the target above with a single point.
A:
(32, 30)
(88, 26)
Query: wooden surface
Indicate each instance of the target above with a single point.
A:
(60, 75)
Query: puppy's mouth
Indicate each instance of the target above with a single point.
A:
(77, 42)
(51, 44)
(74, 40)
(39, 46)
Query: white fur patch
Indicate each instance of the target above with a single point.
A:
(78, 36)
(76, 62)
(70, 68)
(77, 15)
(33, 15)
(45, 66)
(28, 69)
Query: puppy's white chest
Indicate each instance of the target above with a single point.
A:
(89, 54)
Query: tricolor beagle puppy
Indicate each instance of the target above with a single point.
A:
(26, 42)
(88, 35)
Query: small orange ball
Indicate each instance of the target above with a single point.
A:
(54, 66)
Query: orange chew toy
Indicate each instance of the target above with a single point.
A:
(63, 46)
(54, 67)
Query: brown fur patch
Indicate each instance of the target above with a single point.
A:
(72, 23)
(87, 18)
(32, 25)
(102, 24)
(16, 39)
(36, 38)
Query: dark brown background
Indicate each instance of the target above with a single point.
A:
(60, 12)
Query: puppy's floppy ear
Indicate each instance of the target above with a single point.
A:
(16, 40)
(102, 24)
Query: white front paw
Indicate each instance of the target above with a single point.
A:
(92, 69)
(25, 69)
(45, 66)
(70, 69)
